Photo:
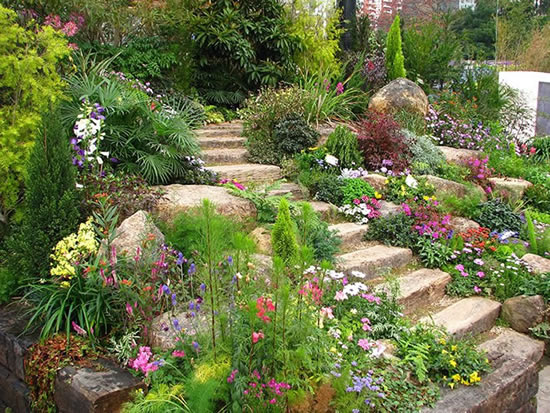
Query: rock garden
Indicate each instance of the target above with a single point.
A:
(220, 208)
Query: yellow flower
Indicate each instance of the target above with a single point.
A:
(442, 341)
(444, 351)
(314, 148)
(474, 377)
(387, 181)
(451, 385)
(454, 348)
(377, 195)
(426, 198)
(65, 284)
(456, 377)
(452, 363)
(333, 350)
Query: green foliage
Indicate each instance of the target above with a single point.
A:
(314, 233)
(355, 188)
(402, 188)
(250, 40)
(411, 121)
(394, 53)
(466, 206)
(261, 113)
(159, 399)
(29, 84)
(426, 155)
(395, 230)
(539, 240)
(432, 253)
(342, 143)
(283, 238)
(292, 134)
(498, 216)
(429, 50)
(8, 285)
(51, 206)
(542, 146)
(148, 137)
(318, 33)
(326, 188)
(475, 29)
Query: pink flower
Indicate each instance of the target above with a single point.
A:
(79, 330)
(129, 309)
(273, 401)
(340, 296)
(477, 290)
(460, 267)
(257, 336)
(326, 312)
(480, 274)
(178, 353)
(339, 88)
(231, 377)
(364, 344)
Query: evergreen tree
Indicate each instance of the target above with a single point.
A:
(51, 205)
(283, 237)
(395, 62)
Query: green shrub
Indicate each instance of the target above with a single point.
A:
(342, 143)
(538, 196)
(283, 238)
(394, 54)
(261, 113)
(29, 84)
(8, 285)
(411, 121)
(327, 188)
(314, 233)
(498, 216)
(355, 188)
(292, 134)
(466, 206)
(395, 230)
(51, 205)
(542, 147)
(426, 155)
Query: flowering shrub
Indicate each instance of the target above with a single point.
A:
(480, 173)
(374, 72)
(380, 139)
(362, 209)
(402, 188)
(88, 136)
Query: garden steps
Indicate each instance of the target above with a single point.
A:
(224, 156)
(375, 261)
(327, 211)
(350, 233)
(226, 142)
(421, 288)
(248, 172)
(296, 192)
(471, 315)
(511, 385)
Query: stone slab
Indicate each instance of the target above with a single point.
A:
(14, 393)
(224, 156)
(248, 172)
(389, 208)
(543, 396)
(374, 261)
(421, 288)
(444, 186)
(291, 188)
(455, 155)
(133, 231)
(221, 142)
(326, 210)
(180, 198)
(378, 182)
(460, 224)
(350, 233)
(472, 315)
(85, 390)
(537, 264)
(509, 344)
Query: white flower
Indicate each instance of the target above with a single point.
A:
(331, 160)
(351, 289)
(353, 311)
(360, 286)
(358, 274)
(378, 350)
(411, 182)
(335, 275)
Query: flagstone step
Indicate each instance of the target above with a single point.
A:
(219, 132)
(509, 388)
(328, 212)
(375, 261)
(350, 233)
(537, 264)
(472, 315)
(389, 208)
(248, 172)
(224, 156)
(513, 188)
(297, 194)
(221, 142)
(421, 288)
(455, 155)
(180, 198)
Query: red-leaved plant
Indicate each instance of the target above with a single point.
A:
(380, 139)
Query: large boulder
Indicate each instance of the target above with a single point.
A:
(523, 312)
(400, 94)
(537, 264)
(134, 230)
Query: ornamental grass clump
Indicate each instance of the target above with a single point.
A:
(342, 144)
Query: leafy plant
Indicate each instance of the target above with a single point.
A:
(292, 134)
(395, 61)
(29, 84)
(380, 139)
(342, 144)
(160, 398)
(8, 285)
(355, 188)
(315, 233)
(283, 238)
(542, 148)
(498, 216)
(426, 156)
(538, 196)
(395, 230)
(327, 188)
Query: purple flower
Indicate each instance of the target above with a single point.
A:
(230, 260)
(174, 302)
(176, 324)
(192, 269)
(180, 259)
(203, 286)
(165, 289)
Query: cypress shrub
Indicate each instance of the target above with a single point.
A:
(283, 237)
(395, 61)
(51, 204)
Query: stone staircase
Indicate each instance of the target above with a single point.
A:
(224, 152)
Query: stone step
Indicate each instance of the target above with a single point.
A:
(295, 190)
(219, 133)
(180, 198)
(248, 172)
(389, 208)
(512, 188)
(237, 123)
(224, 156)
(421, 288)
(375, 261)
(472, 315)
(328, 212)
(543, 395)
(509, 388)
(350, 233)
(537, 264)
(221, 142)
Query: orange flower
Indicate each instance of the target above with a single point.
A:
(126, 282)
(151, 237)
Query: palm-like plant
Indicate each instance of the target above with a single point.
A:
(147, 136)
